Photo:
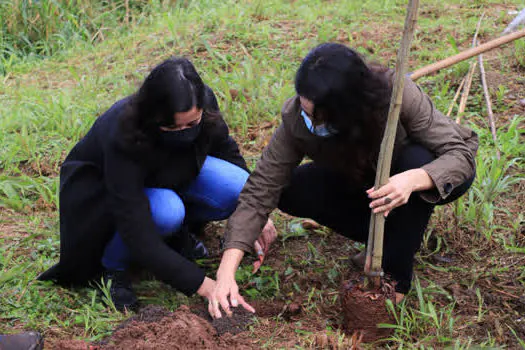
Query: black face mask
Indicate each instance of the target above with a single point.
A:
(180, 138)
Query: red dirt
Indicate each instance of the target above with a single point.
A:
(364, 309)
(155, 328)
(180, 330)
(72, 345)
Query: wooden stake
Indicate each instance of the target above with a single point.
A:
(470, 75)
(466, 91)
(377, 221)
(458, 91)
(489, 105)
(126, 18)
(432, 68)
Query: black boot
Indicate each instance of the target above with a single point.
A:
(22, 341)
(121, 290)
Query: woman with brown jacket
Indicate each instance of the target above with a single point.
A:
(337, 120)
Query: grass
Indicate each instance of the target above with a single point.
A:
(52, 88)
(31, 28)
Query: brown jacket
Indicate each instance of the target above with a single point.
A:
(455, 148)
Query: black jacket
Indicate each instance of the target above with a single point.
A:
(102, 191)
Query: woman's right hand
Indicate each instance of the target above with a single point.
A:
(226, 292)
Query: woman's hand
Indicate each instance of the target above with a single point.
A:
(226, 292)
(267, 237)
(398, 190)
(262, 244)
(206, 290)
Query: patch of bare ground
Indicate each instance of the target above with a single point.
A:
(10, 224)
(478, 273)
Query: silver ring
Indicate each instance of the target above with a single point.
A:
(388, 200)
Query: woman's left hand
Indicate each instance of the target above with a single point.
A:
(262, 244)
(398, 190)
(267, 237)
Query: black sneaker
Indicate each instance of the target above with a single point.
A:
(188, 245)
(121, 290)
(195, 248)
(22, 341)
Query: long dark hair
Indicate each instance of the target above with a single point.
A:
(172, 86)
(352, 98)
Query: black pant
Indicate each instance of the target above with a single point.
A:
(328, 198)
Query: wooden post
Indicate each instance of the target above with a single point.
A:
(377, 221)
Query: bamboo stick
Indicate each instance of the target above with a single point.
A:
(475, 39)
(470, 75)
(466, 91)
(489, 105)
(377, 221)
(126, 19)
(458, 91)
(432, 68)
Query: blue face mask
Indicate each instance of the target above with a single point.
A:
(319, 130)
(180, 138)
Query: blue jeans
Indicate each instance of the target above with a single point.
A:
(211, 196)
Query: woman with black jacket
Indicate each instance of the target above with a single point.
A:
(154, 164)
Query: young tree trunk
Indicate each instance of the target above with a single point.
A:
(377, 221)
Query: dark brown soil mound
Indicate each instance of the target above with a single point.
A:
(364, 309)
(237, 323)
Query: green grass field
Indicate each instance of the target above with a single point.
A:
(78, 60)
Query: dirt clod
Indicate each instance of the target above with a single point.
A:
(364, 309)
(292, 309)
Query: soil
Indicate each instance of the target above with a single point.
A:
(364, 309)
(179, 330)
(156, 328)
(236, 323)
(147, 314)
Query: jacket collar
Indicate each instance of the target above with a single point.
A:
(293, 121)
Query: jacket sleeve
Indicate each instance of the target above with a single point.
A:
(455, 161)
(131, 210)
(261, 193)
